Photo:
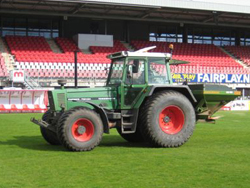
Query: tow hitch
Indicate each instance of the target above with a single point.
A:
(43, 124)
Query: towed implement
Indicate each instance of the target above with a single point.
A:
(139, 100)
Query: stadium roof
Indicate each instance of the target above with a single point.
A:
(211, 12)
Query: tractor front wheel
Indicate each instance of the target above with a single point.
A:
(167, 119)
(48, 135)
(80, 129)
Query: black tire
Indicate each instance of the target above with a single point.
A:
(48, 135)
(173, 129)
(80, 129)
(133, 137)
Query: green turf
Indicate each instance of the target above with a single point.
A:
(217, 155)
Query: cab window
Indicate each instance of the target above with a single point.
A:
(135, 72)
(116, 72)
(157, 71)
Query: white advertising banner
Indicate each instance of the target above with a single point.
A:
(23, 101)
(240, 105)
(237, 105)
(18, 76)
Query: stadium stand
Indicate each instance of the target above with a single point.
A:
(240, 52)
(196, 54)
(34, 55)
(203, 58)
(66, 45)
(36, 49)
(206, 69)
(3, 69)
(118, 46)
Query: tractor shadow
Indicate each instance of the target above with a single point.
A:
(117, 141)
(31, 143)
(38, 143)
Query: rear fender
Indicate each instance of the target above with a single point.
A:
(184, 89)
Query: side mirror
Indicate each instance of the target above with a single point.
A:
(135, 67)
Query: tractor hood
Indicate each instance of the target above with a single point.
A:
(69, 98)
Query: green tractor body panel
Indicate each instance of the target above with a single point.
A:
(69, 98)
(104, 96)
(109, 98)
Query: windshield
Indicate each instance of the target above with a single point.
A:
(157, 72)
(115, 75)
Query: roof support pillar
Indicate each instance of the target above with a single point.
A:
(185, 34)
(237, 38)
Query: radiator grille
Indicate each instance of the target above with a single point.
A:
(61, 99)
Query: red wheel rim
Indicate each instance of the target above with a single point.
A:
(171, 120)
(82, 130)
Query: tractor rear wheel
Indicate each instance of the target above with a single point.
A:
(80, 129)
(167, 119)
(48, 135)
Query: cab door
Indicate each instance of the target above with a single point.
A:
(135, 82)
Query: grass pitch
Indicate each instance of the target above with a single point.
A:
(217, 155)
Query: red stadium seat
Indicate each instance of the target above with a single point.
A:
(13, 107)
(25, 107)
(2, 108)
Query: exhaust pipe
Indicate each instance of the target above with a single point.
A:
(76, 68)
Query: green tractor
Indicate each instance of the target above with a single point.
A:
(139, 100)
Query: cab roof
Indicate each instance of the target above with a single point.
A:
(140, 53)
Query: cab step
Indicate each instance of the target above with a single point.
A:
(129, 121)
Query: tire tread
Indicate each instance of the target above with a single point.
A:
(48, 135)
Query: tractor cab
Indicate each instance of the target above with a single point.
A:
(139, 68)
(133, 73)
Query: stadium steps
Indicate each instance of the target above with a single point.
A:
(232, 56)
(3, 48)
(8, 58)
(128, 46)
(30, 83)
(54, 47)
